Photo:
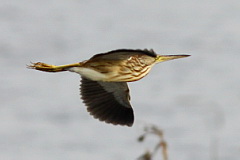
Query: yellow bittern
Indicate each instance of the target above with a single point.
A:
(104, 88)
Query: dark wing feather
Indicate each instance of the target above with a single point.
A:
(124, 53)
(108, 101)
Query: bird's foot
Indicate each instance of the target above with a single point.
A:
(51, 68)
(44, 67)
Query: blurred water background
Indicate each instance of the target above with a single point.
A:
(195, 100)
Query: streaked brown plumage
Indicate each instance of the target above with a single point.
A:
(103, 86)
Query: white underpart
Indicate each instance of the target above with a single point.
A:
(89, 73)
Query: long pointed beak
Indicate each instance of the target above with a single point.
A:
(162, 58)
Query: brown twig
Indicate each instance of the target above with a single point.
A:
(154, 130)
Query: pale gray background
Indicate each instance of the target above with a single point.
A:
(195, 100)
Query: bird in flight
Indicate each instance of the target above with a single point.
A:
(104, 88)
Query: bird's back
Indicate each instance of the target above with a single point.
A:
(122, 54)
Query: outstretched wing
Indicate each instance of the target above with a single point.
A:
(108, 101)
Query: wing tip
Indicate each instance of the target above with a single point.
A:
(122, 118)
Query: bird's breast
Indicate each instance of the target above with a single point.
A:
(133, 69)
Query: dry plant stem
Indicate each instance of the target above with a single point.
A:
(161, 144)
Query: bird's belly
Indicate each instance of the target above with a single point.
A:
(115, 75)
(89, 73)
